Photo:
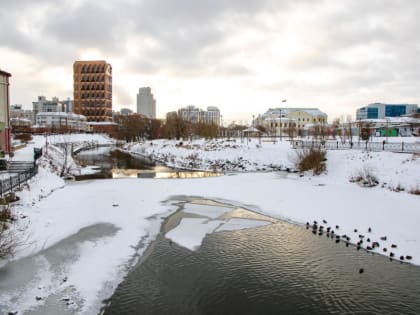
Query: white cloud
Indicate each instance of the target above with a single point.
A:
(242, 56)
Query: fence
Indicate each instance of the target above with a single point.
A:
(17, 174)
(403, 147)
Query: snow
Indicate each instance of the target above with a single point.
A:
(208, 211)
(190, 232)
(55, 211)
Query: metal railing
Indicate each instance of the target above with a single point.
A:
(402, 147)
(16, 174)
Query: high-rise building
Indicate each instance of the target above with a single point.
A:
(93, 90)
(146, 104)
(212, 115)
(381, 110)
(195, 115)
(4, 111)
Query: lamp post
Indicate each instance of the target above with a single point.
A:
(280, 125)
(283, 101)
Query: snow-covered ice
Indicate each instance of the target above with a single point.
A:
(191, 232)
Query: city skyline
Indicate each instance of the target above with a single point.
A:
(242, 56)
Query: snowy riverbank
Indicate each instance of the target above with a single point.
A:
(395, 171)
(55, 212)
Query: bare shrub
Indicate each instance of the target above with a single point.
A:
(415, 191)
(193, 160)
(365, 177)
(24, 137)
(311, 159)
(398, 188)
(8, 239)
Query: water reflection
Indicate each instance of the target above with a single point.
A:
(176, 174)
(117, 164)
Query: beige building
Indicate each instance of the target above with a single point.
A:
(93, 90)
(308, 116)
(278, 121)
(4, 111)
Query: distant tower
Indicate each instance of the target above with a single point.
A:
(146, 104)
(93, 90)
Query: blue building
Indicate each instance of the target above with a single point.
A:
(381, 110)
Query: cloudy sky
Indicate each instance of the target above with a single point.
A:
(243, 56)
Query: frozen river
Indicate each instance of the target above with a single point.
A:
(271, 267)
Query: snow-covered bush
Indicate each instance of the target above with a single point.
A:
(311, 159)
(365, 177)
(415, 191)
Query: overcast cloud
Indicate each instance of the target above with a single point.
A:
(243, 56)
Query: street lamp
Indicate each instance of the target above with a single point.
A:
(280, 124)
(283, 101)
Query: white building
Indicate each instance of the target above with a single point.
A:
(191, 113)
(17, 111)
(146, 104)
(381, 110)
(53, 105)
(61, 120)
(196, 115)
(212, 115)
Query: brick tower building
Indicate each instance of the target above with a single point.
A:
(93, 90)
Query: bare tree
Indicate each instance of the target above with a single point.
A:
(10, 239)
(291, 131)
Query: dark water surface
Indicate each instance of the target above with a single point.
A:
(116, 164)
(280, 268)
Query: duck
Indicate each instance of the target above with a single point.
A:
(337, 227)
(324, 221)
(394, 246)
(408, 257)
(385, 249)
(391, 254)
(383, 238)
(361, 270)
(355, 230)
(369, 229)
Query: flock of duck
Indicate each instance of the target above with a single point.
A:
(363, 241)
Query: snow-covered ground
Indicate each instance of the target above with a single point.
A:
(55, 212)
(393, 170)
(60, 158)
